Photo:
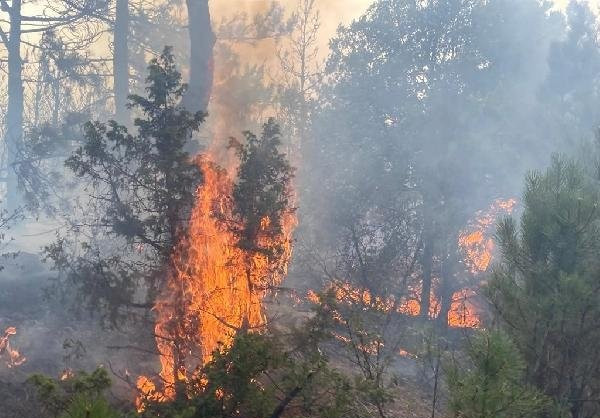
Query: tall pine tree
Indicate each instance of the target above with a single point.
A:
(547, 290)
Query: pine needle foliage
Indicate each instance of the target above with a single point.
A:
(489, 382)
(546, 290)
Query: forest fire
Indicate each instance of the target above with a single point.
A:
(477, 246)
(216, 287)
(476, 241)
(464, 311)
(462, 314)
(11, 356)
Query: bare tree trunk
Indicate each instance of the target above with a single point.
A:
(56, 98)
(37, 101)
(436, 381)
(307, 9)
(14, 114)
(202, 41)
(121, 62)
(427, 267)
(446, 291)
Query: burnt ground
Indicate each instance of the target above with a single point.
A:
(53, 337)
(412, 378)
(23, 305)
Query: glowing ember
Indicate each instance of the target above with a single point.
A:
(12, 357)
(215, 289)
(404, 353)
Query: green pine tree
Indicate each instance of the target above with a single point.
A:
(489, 384)
(79, 396)
(546, 290)
(140, 187)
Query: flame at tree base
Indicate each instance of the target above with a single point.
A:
(215, 287)
(463, 313)
(477, 246)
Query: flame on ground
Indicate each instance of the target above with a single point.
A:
(12, 357)
(215, 288)
(463, 312)
(476, 243)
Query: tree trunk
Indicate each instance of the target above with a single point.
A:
(427, 267)
(121, 62)
(14, 113)
(446, 291)
(202, 41)
(56, 99)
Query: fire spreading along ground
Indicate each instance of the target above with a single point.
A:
(11, 357)
(216, 288)
(476, 244)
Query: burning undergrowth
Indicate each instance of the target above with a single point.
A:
(236, 249)
(476, 246)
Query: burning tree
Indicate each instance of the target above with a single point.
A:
(269, 375)
(179, 235)
(141, 193)
(237, 248)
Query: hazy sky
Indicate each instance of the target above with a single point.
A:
(563, 3)
(333, 12)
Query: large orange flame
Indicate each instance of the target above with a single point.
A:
(215, 288)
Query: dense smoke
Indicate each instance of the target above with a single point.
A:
(410, 125)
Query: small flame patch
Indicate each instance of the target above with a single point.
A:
(12, 357)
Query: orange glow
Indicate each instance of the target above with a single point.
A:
(404, 353)
(412, 305)
(147, 393)
(12, 357)
(66, 374)
(463, 311)
(478, 250)
(476, 241)
(215, 288)
(477, 245)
